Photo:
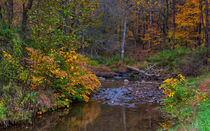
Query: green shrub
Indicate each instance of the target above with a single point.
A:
(179, 96)
(63, 71)
(17, 104)
(6, 34)
(108, 61)
(93, 63)
(11, 55)
(187, 105)
(193, 63)
(189, 63)
(168, 57)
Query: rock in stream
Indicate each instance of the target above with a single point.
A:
(129, 94)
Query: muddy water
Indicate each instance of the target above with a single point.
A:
(96, 116)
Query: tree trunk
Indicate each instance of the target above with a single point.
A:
(137, 31)
(1, 15)
(165, 22)
(207, 26)
(67, 19)
(26, 8)
(165, 32)
(10, 11)
(174, 24)
(144, 30)
(150, 12)
(83, 41)
(201, 22)
(150, 20)
(124, 33)
(167, 14)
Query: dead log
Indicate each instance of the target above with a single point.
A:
(144, 73)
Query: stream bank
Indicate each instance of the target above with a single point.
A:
(120, 104)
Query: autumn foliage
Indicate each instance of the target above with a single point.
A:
(179, 95)
(39, 42)
(64, 71)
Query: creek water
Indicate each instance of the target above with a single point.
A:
(101, 116)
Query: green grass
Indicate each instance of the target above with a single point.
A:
(93, 63)
(171, 57)
(193, 118)
(201, 120)
(168, 57)
(194, 81)
(108, 61)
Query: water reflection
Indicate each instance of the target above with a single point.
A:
(98, 117)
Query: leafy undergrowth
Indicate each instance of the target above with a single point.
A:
(113, 60)
(187, 102)
(41, 82)
(188, 62)
(16, 105)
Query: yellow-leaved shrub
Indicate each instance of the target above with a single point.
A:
(65, 72)
(179, 95)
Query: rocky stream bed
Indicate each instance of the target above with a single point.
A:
(128, 93)
(132, 87)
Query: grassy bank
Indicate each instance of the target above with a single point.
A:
(199, 122)
(187, 91)
(195, 115)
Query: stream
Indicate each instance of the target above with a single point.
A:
(120, 105)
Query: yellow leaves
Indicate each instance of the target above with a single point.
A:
(72, 52)
(31, 51)
(75, 57)
(187, 20)
(169, 86)
(40, 112)
(8, 57)
(36, 79)
(89, 81)
(11, 61)
(56, 71)
(86, 98)
(200, 96)
(87, 92)
(86, 3)
(181, 77)
(66, 70)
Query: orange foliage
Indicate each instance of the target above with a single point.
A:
(64, 71)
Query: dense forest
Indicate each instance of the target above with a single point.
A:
(52, 52)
